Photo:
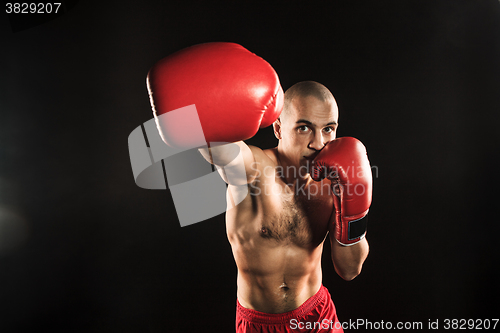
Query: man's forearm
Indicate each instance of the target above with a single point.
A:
(234, 162)
(221, 155)
(348, 260)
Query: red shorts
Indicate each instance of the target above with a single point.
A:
(317, 314)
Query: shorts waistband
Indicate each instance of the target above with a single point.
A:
(282, 318)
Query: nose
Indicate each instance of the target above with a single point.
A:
(317, 142)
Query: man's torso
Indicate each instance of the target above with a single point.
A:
(276, 234)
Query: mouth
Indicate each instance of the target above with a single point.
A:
(311, 157)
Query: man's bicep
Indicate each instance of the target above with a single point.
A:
(237, 164)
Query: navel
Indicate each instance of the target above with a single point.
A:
(284, 287)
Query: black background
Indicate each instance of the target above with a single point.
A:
(83, 249)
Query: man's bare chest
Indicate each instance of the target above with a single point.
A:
(297, 217)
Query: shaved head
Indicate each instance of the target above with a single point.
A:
(309, 121)
(305, 89)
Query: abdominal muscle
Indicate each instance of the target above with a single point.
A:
(277, 279)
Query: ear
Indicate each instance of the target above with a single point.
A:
(277, 128)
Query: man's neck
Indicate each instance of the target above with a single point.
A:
(290, 172)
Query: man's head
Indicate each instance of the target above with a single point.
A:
(307, 123)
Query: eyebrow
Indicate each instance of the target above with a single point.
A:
(309, 123)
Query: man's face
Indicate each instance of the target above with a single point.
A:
(306, 128)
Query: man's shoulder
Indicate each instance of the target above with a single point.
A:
(265, 157)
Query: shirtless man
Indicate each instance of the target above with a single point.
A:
(278, 217)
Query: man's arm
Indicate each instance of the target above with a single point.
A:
(238, 165)
(345, 163)
(348, 260)
(235, 162)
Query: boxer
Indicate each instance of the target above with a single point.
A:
(282, 202)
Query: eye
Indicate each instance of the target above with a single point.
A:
(303, 128)
(329, 129)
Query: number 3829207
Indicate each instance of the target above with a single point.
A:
(32, 7)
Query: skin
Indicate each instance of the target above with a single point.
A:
(277, 230)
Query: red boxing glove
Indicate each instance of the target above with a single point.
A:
(345, 163)
(223, 87)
